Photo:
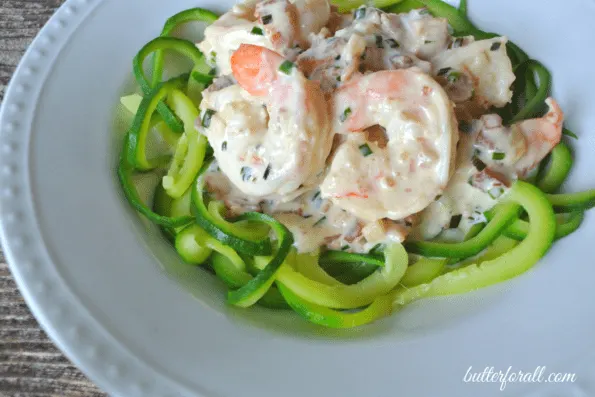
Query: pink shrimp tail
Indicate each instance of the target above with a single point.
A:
(255, 68)
(542, 135)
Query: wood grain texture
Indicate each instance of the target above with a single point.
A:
(30, 364)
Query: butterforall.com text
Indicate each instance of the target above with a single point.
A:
(510, 375)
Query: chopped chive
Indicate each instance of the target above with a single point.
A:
(455, 221)
(496, 193)
(267, 19)
(480, 165)
(365, 150)
(392, 43)
(496, 46)
(339, 78)
(429, 41)
(453, 77)
(359, 13)
(206, 118)
(344, 248)
(379, 43)
(438, 197)
(321, 220)
(316, 196)
(286, 67)
(213, 57)
(224, 146)
(569, 133)
(345, 114)
(246, 173)
(498, 156)
(213, 72)
(444, 71)
(465, 127)
(267, 172)
(258, 31)
(337, 57)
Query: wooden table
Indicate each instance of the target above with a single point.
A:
(30, 364)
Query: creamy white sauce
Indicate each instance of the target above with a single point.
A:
(411, 176)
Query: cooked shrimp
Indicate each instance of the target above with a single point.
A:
(271, 133)
(497, 145)
(374, 41)
(407, 174)
(541, 134)
(476, 76)
(289, 23)
(224, 36)
(425, 36)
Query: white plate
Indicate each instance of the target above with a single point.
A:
(91, 270)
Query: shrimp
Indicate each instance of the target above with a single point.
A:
(541, 134)
(374, 41)
(271, 131)
(476, 76)
(404, 176)
(289, 23)
(224, 36)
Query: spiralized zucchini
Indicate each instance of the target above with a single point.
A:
(253, 254)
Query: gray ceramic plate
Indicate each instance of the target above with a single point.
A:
(116, 299)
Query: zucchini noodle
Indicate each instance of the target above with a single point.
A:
(253, 254)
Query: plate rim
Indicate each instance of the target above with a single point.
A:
(66, 321)
(88, 346)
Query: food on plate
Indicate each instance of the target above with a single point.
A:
(343, 160)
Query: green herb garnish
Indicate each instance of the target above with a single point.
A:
(206, 118)
(453, 77)
(286, 67)
(365, 150)
(444, 71)
(345, 115)
(246, 173)
(392, 43)
(480, 165)
(379, 43)
(258, 31)
(496, 193)
(498, 156)
(455, 221)
(320, 221)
